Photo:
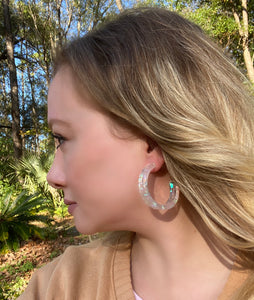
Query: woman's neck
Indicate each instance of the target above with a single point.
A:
(173, 260)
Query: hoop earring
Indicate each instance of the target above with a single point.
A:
(144, 192)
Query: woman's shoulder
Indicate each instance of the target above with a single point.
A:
(87, 264)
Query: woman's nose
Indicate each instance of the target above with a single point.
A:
(56, 175)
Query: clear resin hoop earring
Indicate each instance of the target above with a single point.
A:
(144, 192)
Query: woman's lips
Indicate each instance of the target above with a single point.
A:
(68, 202)
(71, 205)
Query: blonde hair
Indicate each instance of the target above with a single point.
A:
(154, 70)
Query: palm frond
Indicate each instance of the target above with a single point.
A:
(18, 217)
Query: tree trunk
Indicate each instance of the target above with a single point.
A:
(244, 34)
(34, 115)
(119, 5)
(17, 141)
(246, 50)
(79, 20)
(59, 33)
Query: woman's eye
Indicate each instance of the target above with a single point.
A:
(58, 140)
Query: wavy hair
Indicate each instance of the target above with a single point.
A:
(156, 71)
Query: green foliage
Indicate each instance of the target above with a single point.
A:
(55, 253)
(22, 266)
(61, 210)
(215, 23)
(32, 173)
(6, 187)
(217, 19)
(6, 154)
(11, 289)
(17, 219)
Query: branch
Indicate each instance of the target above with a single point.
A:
(3, 55)
(5, 126)
(70, 13)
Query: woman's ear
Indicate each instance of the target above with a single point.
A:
(154, 154)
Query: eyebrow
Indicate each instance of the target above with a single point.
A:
(57, 121)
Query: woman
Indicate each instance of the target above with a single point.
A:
(154, 131)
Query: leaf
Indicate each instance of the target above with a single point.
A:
(15, 244)
(16, 224)
(3, 233)
(22, 230)
(6, 203)
(3, 248)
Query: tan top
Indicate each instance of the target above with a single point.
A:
(96, 271)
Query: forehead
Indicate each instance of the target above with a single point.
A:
(70, 106)
(66, 97)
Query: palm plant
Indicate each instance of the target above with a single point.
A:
(32, 171)
(17, 217)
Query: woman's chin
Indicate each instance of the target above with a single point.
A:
(85, 228)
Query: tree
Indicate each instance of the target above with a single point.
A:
(243, 28)
(230, 22)
(17, 141)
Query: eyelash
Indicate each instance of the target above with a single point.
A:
(60, 139)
